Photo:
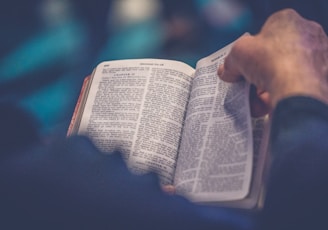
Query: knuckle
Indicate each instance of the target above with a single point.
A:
(316, 26)
(285, 12)
(289, 12)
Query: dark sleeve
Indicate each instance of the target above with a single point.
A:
(297, 195)
(71, 185)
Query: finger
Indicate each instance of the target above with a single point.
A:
(259, 102)
(227, 72)
(264, 96)
(230, 71)
(169, 189)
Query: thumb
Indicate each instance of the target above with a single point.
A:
(231, 69)
(228, 74)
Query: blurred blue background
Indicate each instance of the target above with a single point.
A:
(47, 47)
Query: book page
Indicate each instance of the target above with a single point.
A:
(261, 161)
(216, 152)
(137, 107)
(261, 164)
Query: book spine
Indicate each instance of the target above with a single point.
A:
(70, 130)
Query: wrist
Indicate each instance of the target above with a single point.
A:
(298, 85)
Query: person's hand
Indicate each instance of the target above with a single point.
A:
(288, 57)
(259, 102)
(169, 189)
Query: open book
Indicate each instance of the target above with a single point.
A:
(186, 124)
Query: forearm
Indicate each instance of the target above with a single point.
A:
(298, 186)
